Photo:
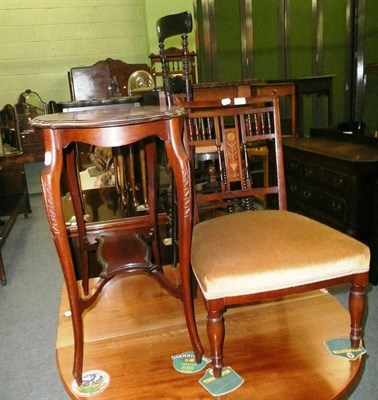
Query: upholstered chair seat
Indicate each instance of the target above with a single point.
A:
(253, 255)
(261, 251)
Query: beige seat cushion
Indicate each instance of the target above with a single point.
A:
(258, 251)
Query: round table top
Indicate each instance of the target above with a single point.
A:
(99, 102)
(121, 115)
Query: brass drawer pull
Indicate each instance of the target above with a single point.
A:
(336, 206)
(338, 182)
(307, 194)
(308, 171)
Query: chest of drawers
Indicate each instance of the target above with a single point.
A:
(334, 182)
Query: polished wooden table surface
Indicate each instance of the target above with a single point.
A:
(276, 347)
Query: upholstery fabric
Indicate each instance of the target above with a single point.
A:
(301, 251)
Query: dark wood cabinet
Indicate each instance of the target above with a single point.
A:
(32, 146)
(335, 182)
(14, 200)
(13, 185)
(374, 240)
(12, 173)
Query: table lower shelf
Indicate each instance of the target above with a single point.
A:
(277, 347)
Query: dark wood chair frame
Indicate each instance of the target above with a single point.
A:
(201, 111)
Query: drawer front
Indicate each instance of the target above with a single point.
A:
(326, 178)
(321, 176)
(32, 143)
(323, 206)
(292, 167)
(31, 137)
(12, 184)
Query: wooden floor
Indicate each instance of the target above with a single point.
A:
(277, 348)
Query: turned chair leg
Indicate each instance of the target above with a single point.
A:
(215, 333)
(356, 310)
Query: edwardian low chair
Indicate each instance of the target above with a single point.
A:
(262, 254)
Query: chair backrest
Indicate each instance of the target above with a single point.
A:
(103, 80)
(174, 62)
(90, 82)
(286, 93)
(168, 26)
(230, 127)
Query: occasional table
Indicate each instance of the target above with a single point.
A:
(110, 127)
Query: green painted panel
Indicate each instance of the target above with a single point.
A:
(300, 64)
(300, 38)
(227, 32)
(371, 32)
(334, 52)
(265, 36)
(370, 113)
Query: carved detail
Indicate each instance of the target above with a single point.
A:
(51, 209)
(186, 189)
(232, 155)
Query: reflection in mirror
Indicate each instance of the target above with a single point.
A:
(29, 106)
(9, 132)
(139, 82)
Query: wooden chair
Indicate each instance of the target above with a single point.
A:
(168, 26)
(174, 63)
(259, 255)
(286, 95)
(103, 80)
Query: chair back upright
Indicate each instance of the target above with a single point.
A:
(168, 26)
(105, 79)
(90, 82)
(231, 129)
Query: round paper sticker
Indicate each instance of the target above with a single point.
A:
(94, 382)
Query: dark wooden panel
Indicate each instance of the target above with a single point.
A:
(12, 185)
(335, 183)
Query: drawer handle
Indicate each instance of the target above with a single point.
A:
(307, 194)
(293, 166)
(338, 182)
(307, 171)
(336, 206)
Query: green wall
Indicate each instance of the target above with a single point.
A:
(370, 106)
(228, 41)
(296, 57)
(158, 8)
(40, 40)
(265, 33)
